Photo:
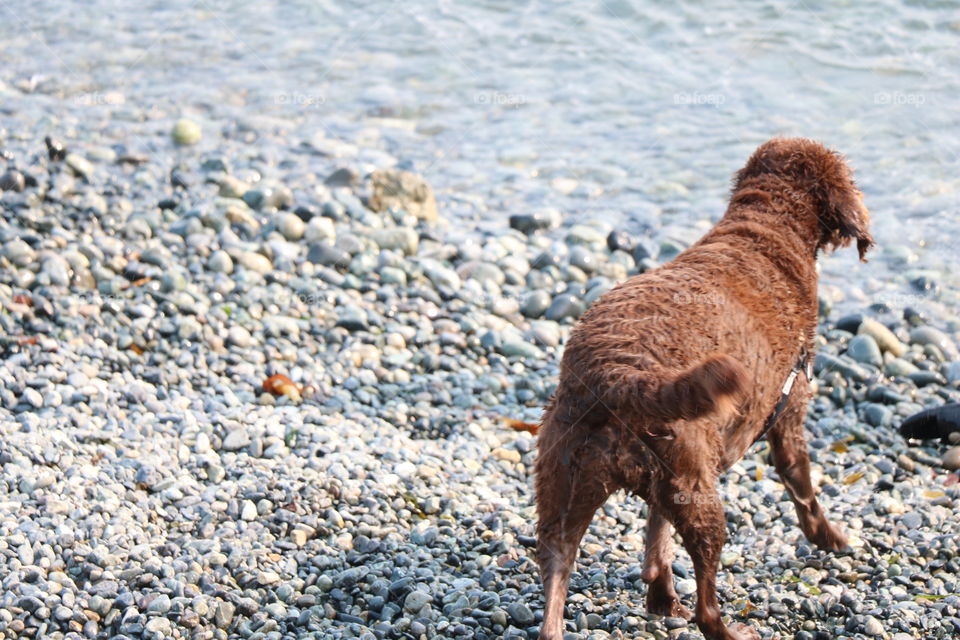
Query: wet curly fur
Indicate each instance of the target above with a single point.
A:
(669, 378)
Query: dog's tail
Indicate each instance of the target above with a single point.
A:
(711, 386)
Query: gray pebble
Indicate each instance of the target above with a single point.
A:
(520, 614)
(535, 303)
(863, 348)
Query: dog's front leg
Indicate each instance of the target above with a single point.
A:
(790, 456)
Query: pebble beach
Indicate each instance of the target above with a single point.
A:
(259, 362)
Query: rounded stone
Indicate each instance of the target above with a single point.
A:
(931, 336)
(327, 255)
(186, 132)
(291, 226)
(79, 165)
(12, 180)
(900, 367)
(320, 228)
(884, 338)
(516, 346)
(393, 276)
(58, 269)
(863, 348)
(583, 259)
(220, 262)
(416, 600)
(231, 187)
(161, 604)
(402, 239)
(564, 306)
(951, 458)
(873, 627)
(521, 614)
(253, 261)
(878, 415)
(537, 221)
(239, 337)
(19, 252)
(620, 241)
(535, 303)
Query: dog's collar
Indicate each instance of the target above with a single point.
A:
(803, 364)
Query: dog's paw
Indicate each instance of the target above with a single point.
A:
(680, 611)
(829, 538)
(740, 631)
(669, 608)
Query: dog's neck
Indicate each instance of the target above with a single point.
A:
(790, 215)
(786, 232)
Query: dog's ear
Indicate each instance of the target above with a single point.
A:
(843, 214)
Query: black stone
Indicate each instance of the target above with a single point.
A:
(179, 180)
(645, 249)
(531, 222)
(342, 177)
(304, 213)
(926, 284)
(12, 180)
(620, 241)
(55, 150)
(850, 323)
(327, 255)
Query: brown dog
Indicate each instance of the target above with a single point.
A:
(670, 377)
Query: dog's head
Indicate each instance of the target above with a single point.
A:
(808, 168)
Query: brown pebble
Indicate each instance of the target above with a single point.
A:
(906, 463)
(951, 459)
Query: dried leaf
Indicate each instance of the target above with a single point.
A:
(272, 383)
(137, 349)
(138, 283)
(853, 477)
(933, 494)
(281, 385)
(414, 504)
(519, 425)
(759, 474)
(839, 447)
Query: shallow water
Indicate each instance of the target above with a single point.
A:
(635, 114)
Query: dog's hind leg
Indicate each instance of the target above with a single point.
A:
(697, 514)
(662, 598)
(790, 457)
(569, 491)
